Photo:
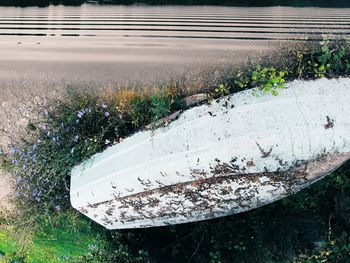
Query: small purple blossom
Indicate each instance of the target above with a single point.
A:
(104, 105)
(13, 150)
(76, 138)
(19, 179)
(106, 114)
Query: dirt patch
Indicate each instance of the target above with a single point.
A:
(5, 194)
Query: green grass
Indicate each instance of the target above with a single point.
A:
(7, 243)
(65, 238)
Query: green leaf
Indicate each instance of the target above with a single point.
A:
(324, 49)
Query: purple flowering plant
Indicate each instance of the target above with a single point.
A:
(71, 130)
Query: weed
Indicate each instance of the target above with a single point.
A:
(222, 90)
(268, 79)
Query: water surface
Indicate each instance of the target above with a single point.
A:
(41, 47)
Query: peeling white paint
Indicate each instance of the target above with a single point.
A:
(236, 154)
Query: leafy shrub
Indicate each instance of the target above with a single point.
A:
(337, 250)
(330, 59)
(222, 90)
(268, 79)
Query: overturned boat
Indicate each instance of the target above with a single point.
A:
(235, 154)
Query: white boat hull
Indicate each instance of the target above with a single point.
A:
(234, 155)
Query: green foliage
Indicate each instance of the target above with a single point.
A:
(242, 79)
(324, 59)
(329, 59)
(163, 104)
(117, 253)
(334, 251)
(222, 90)
(268, 79)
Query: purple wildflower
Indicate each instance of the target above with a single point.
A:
(76, 138)
(104, 105)
(13, 150)
(106, 114)
(22, 155)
